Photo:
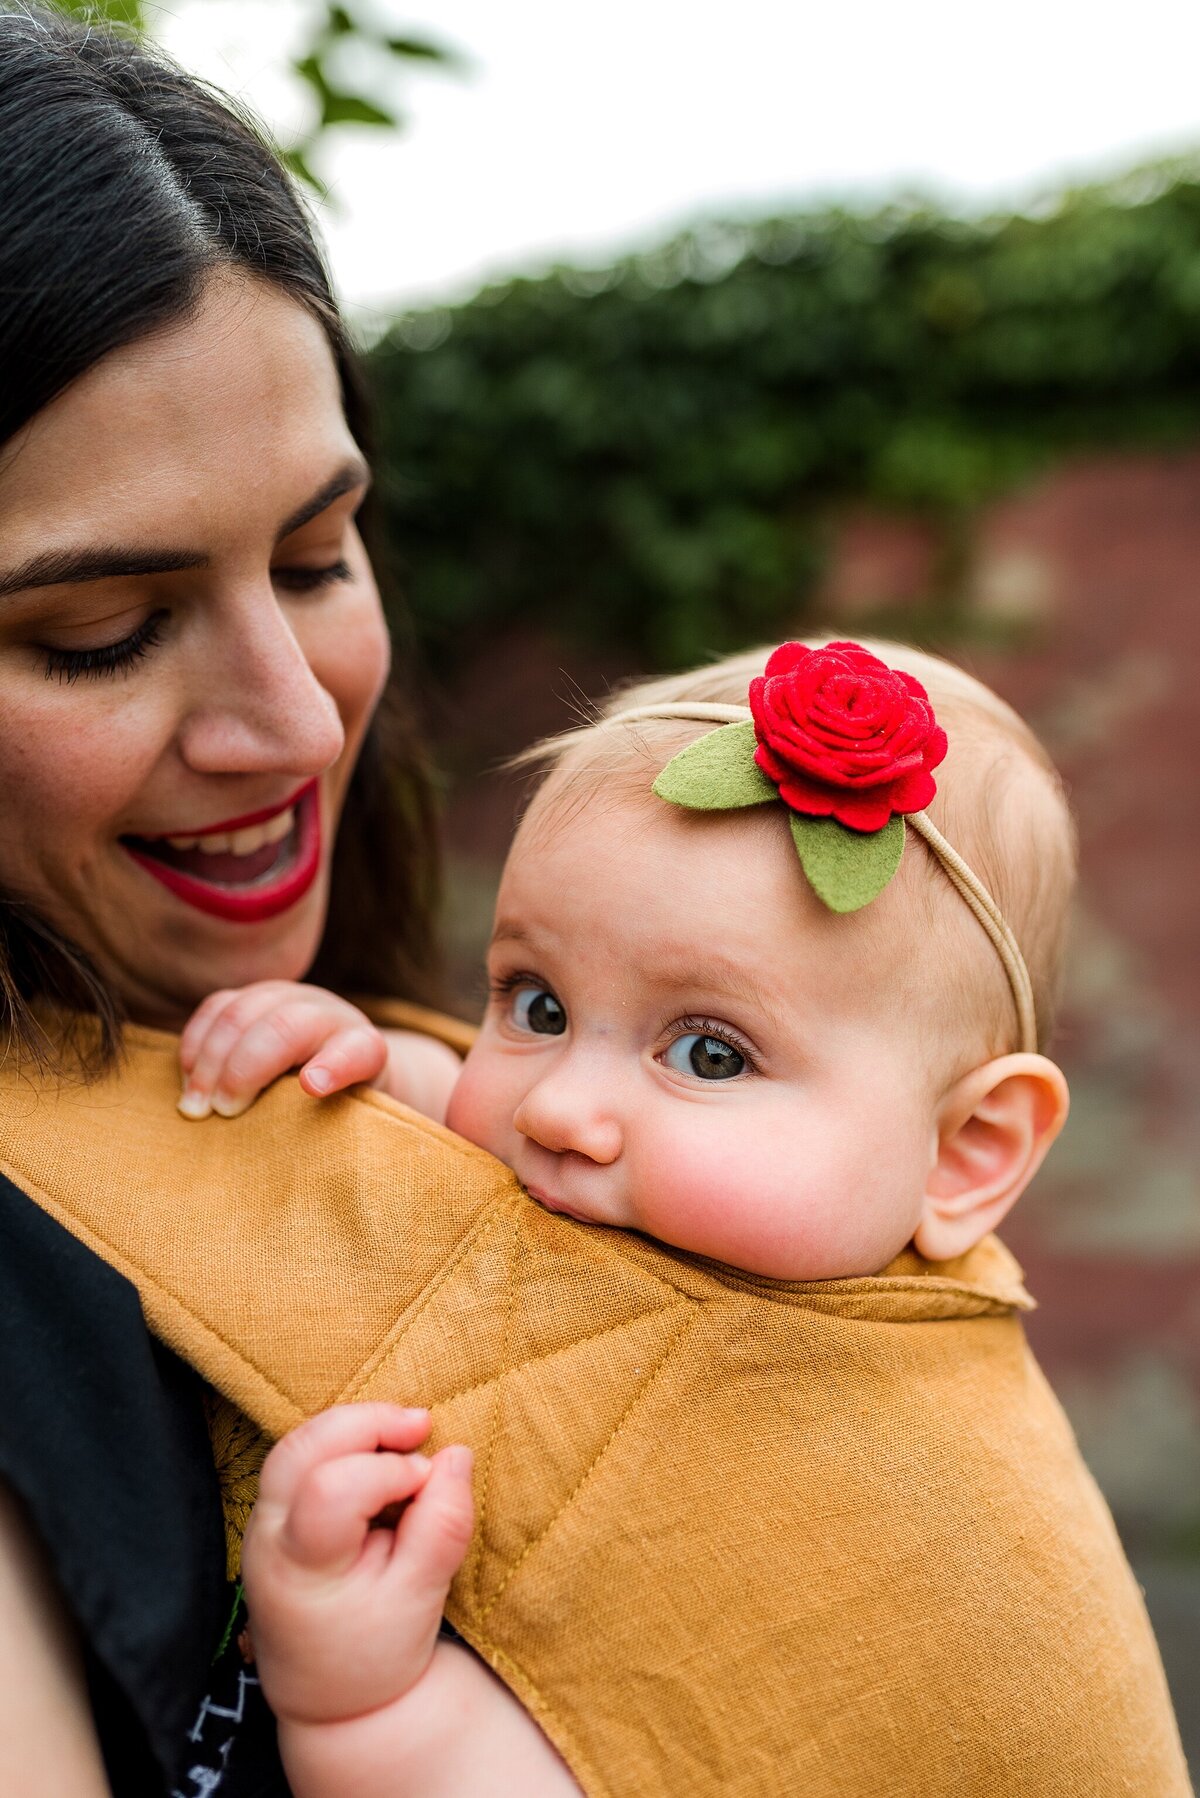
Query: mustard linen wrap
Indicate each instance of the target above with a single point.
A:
(736, 1538)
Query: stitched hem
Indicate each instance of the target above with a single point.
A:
(535, 1702)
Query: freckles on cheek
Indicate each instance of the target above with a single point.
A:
(67, 785)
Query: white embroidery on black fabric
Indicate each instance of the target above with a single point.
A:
(209, 1709)
(207, 1780)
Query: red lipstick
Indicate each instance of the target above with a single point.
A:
(245, 822)
(257, 899)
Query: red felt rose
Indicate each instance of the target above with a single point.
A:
(844, 736)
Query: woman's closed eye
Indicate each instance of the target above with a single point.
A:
(94, 661)
(67, 665)
(312, 580)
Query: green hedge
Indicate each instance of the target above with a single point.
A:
(644, 456)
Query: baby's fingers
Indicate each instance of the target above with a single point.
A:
(200, 1023)
(327, 1522)
(351, 1055)
(214, 1031)
(434, 1533)
(342, 1430)
(282, 1037)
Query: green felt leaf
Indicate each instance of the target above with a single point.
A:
(847, 868)
(717, 773)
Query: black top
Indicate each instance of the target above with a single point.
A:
(103, 1437)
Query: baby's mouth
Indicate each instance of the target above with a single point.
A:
(552, 1204)
(249, 869)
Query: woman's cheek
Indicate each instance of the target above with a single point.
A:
(348, 648)
(72, 775)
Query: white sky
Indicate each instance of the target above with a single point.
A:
(585, 129)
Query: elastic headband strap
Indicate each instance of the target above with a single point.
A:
(961, 876)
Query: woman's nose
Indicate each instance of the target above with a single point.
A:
(257, 703)
(564, 1112)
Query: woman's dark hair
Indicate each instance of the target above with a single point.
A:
(123, 183)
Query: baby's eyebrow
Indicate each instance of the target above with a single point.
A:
(719, 975)
(507, 930)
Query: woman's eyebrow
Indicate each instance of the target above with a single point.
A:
(63, 567)
(351, 475)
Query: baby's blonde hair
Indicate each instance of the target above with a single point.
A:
(1000, 803)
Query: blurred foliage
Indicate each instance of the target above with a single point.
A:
(645, 457)
(335, 100)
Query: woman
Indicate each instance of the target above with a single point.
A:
(192, 651)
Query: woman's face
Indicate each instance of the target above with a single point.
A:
(191, 646)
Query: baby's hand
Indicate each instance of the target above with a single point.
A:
(240, 1040)
(344, 1615)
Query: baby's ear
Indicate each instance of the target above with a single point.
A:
(994, 1127)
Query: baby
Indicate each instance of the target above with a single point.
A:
(769, 986)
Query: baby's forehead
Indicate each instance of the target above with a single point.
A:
(999, 804)
(718, 899)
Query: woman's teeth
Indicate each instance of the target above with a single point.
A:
(240, 842)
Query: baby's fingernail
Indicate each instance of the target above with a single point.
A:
(227, 1107)
(193, 1104)
(459, 1460)
(319, 1080)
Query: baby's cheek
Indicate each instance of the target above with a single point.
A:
(742, 1198)
(476, 1108)
(702, 1192)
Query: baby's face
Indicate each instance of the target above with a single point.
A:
(681, 1041)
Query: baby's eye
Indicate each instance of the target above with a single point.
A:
(535, 1009)
(707, 1057)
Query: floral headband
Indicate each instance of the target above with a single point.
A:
(849, 745)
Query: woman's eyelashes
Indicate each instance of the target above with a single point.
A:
(312, 580)
(67, 665)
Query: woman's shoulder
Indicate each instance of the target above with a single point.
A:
(103, 1439)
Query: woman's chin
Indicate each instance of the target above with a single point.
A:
(173, 968)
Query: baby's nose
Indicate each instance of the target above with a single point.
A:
(569, 1117)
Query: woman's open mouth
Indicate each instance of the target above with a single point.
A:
(245, 869)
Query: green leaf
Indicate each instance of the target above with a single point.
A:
(296, 159)
(112, 12)
(309, 69)
(419, 49)
(353, 109)
(717, 773)
(847, 868)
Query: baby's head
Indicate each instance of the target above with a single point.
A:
(683, 1039)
